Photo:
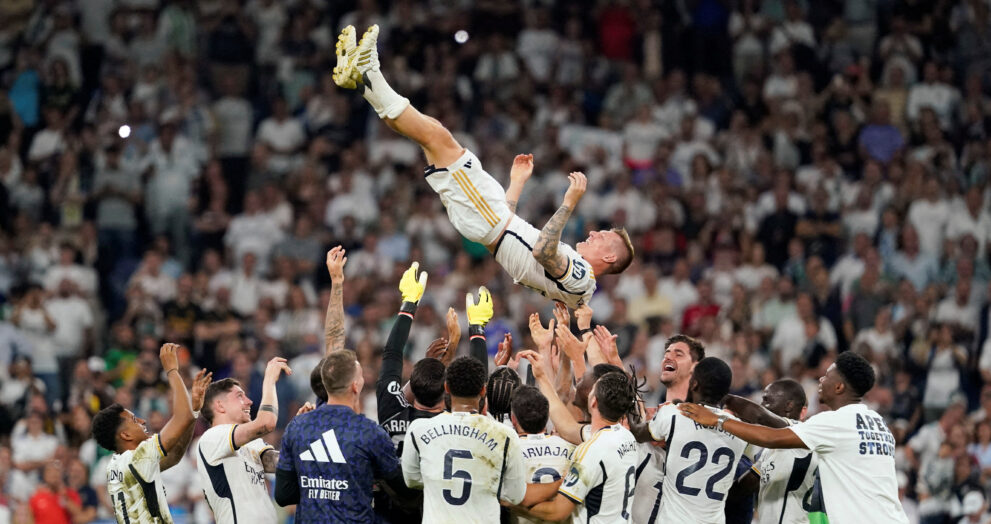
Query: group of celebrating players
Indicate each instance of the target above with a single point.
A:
(566, 439)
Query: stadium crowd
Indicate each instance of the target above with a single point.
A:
(799, 178)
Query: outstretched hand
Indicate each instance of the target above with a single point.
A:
(410, 286)
(536, 363)
(522, 168)
(542, 337)
(479, 313)
(275, 368)
(437, 349)
(577, 184)
(607, 343)
(335, 263)
(200, 382)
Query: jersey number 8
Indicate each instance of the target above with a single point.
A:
(702, 460)
(451, 473)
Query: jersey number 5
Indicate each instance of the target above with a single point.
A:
(710, 491)
(451, 473)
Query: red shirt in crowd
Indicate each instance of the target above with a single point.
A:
(46, 506)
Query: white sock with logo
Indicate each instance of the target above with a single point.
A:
(386, 102)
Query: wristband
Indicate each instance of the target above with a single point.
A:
(171, 370)
(581, 332)
(476, 330)
(408, 308)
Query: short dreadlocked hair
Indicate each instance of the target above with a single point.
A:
(105, 426)
(465, 377)
(616, 396)
(856, 371)
(531, 409)
(502, 383)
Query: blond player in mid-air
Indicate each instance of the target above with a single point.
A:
(479, 208)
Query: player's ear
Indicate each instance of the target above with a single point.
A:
(805, 411)
(609, 258)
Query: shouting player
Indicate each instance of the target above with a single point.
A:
(700, 463)
(855, 448)
(479, 208)
(465, 461)
(599, 486)
(233, 459)
(134, 472)
(785, 475)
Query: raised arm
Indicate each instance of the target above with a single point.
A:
(200, 383)
(334, 323)
(182, 409)
(411, 288)
(763, 436)
(566, 426)
(479, 314)
(752, 412)
(545, 250)
(518, 175)
(268, 411)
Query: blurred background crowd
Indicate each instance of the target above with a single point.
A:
(800, 178)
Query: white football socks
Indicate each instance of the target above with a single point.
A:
(386, 102)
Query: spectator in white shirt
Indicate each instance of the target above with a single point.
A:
(31, 450)
(932, 92)
(959, 311)
(38, 326)
(253, 231)
(756, 269)
(930, 216)
(877, 343)
(284, 136)
(850, 266)
(678, 288)
(246, 287)
(172, 158)
(537, 44)
(152, 280)
(73, 324)
(82, 276)
(971, 220)
(792, 334)
(640, 138)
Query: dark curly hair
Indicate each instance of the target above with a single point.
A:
(713, 377)
(427, 381)
(531, 409)
(695, 347)
(466, 377)
(499, 390)
(856, 371)
(105, 426)
(616, 396)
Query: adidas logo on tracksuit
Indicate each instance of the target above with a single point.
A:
(324, 449)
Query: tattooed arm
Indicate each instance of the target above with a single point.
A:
(334, 324)
(518, 175)
(545, 249)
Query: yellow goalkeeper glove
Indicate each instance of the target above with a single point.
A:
(481, 313)
(411, 288)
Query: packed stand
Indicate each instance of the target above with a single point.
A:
(800, 179)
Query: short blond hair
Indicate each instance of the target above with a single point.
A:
(623, 262)
(338, 371)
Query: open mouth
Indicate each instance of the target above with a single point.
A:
(669, 367)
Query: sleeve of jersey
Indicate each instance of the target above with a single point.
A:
(582, 477)
(411, 458)
(383, 453)
(513, 487)
(146, 457)
(819, 433)
(389, 387)
(577, 278)
(286, 456)
(217, 443)
(258, 447)
(663, 422)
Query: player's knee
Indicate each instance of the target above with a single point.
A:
(442, 149)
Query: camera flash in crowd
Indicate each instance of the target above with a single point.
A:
(124, 131)
(461, 36)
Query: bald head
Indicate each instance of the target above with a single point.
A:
(785, 398)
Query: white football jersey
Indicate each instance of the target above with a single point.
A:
(466, 463)
(650, 479)
(786, 475)
(233, 479)
(856, 454)
(135, 485)
(546, 459)
(602, 477)
(700, 468)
